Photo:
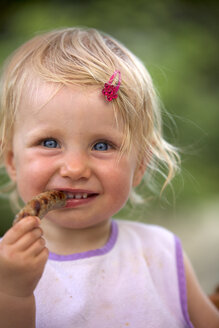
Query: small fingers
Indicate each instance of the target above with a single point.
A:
(37, 247)
(21, 228)
(29, 238)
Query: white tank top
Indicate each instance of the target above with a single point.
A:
(136, 280)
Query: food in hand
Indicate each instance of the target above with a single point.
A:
(42, 204)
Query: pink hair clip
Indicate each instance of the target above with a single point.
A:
(110, 91)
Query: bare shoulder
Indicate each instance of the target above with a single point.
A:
(201, 310)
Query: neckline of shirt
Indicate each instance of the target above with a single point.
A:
(91, 253)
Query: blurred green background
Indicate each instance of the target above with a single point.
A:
(178, 42)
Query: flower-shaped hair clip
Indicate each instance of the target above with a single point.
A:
(110, 91)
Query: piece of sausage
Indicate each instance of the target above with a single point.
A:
(42, 204)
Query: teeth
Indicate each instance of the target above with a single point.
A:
(77, 196)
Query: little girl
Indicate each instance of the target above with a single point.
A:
(79, 114)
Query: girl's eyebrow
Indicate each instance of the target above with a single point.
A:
(34, 135)
(42, 130)
(110, 133)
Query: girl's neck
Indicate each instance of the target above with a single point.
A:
(65, 241)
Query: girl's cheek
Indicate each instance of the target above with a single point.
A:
(120, 178)
(41, 171)
(32, 178)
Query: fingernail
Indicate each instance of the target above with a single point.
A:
(38, 219)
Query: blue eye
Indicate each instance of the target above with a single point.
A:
(101, 146)
(50, 143)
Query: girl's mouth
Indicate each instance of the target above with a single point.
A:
(76, 198)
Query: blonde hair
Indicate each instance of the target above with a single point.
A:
(87, 57)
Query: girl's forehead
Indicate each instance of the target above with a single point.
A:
(36, 93)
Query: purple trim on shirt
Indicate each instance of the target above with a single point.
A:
(96, 252)
(182, 282)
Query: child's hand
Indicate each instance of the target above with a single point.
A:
(23, 256)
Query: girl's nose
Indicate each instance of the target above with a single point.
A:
(75, 166)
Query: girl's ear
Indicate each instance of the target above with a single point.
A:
(9, 164)
(141, 168)
(139, 172)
